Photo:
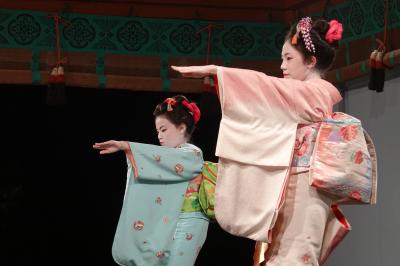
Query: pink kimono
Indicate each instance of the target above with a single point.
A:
(268, 128)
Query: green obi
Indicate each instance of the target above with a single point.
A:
(200, 194)
(207, 188)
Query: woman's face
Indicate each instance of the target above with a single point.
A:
(169, 135)
(293, 64)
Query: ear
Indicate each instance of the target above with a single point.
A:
(182, 128)
(312, 62)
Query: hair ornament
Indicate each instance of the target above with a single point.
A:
(171, 102)
(304, 27)
(294, 39)
(193, 110)
(334, 32)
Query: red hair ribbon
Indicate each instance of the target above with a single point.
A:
(171, 102)
(194, 110)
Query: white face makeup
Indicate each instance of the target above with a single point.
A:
(170, 135)
(293, 64)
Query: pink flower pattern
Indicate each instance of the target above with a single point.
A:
(160, 254)
(358, 157)
(349, 132)
(157, 158)
(304, 145)
(158, 200)
(355, 195)
(138, 225)
(302, 148)
(325, 132)
(306, 258)
(179, 168)
(164, 217)
(341, 163)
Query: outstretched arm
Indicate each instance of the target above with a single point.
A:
(196, 71)
(163, 164)
(111, 146)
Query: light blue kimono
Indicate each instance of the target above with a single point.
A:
(152, 230)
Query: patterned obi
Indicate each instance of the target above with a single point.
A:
(191, 199)
(306, 136)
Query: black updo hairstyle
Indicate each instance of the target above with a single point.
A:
(178, 115)
(325, 52)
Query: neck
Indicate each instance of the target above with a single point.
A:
(313, 75)
(182, 143)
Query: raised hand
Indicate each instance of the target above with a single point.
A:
(196, 71)
(110, 146)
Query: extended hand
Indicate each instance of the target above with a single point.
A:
(196, 71)
(110, 146)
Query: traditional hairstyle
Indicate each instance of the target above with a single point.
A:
(319, 38)
(178, 110)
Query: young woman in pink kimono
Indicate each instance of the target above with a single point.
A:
(266, 138)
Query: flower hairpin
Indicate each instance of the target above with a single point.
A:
(304, 26)
(334, 32)
(171, 102)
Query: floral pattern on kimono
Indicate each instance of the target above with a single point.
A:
(304, 145)
(260, 117)
(191, 202)
(151, 224)
(344, 162)
(257, 151)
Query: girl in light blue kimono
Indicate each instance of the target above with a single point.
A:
(161, 221)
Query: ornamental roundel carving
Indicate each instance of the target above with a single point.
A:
(80, 33)
(24, 29)
(185, 38)
(133, 35)
(238, 40)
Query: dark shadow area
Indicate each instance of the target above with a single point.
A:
(59, 199)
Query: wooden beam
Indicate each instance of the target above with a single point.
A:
(269, 67)
(15, 76)
(240, 4)
(15, 59)
(134, 83)
(284, 11)
(141, 73)
(361, 68)
(84, 62)
(186, 85)
(132, 65)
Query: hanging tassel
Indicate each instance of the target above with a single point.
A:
(208, 85)
(380, 72)
(372, 67)
(56, 94)
(378, 75)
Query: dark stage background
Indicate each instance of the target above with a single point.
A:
(59, 199)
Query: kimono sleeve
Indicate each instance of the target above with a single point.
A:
(157, 163)
(314, 99)
(260, 114)
(257, 94)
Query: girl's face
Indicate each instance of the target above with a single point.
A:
(293, 64)
(170, 135)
